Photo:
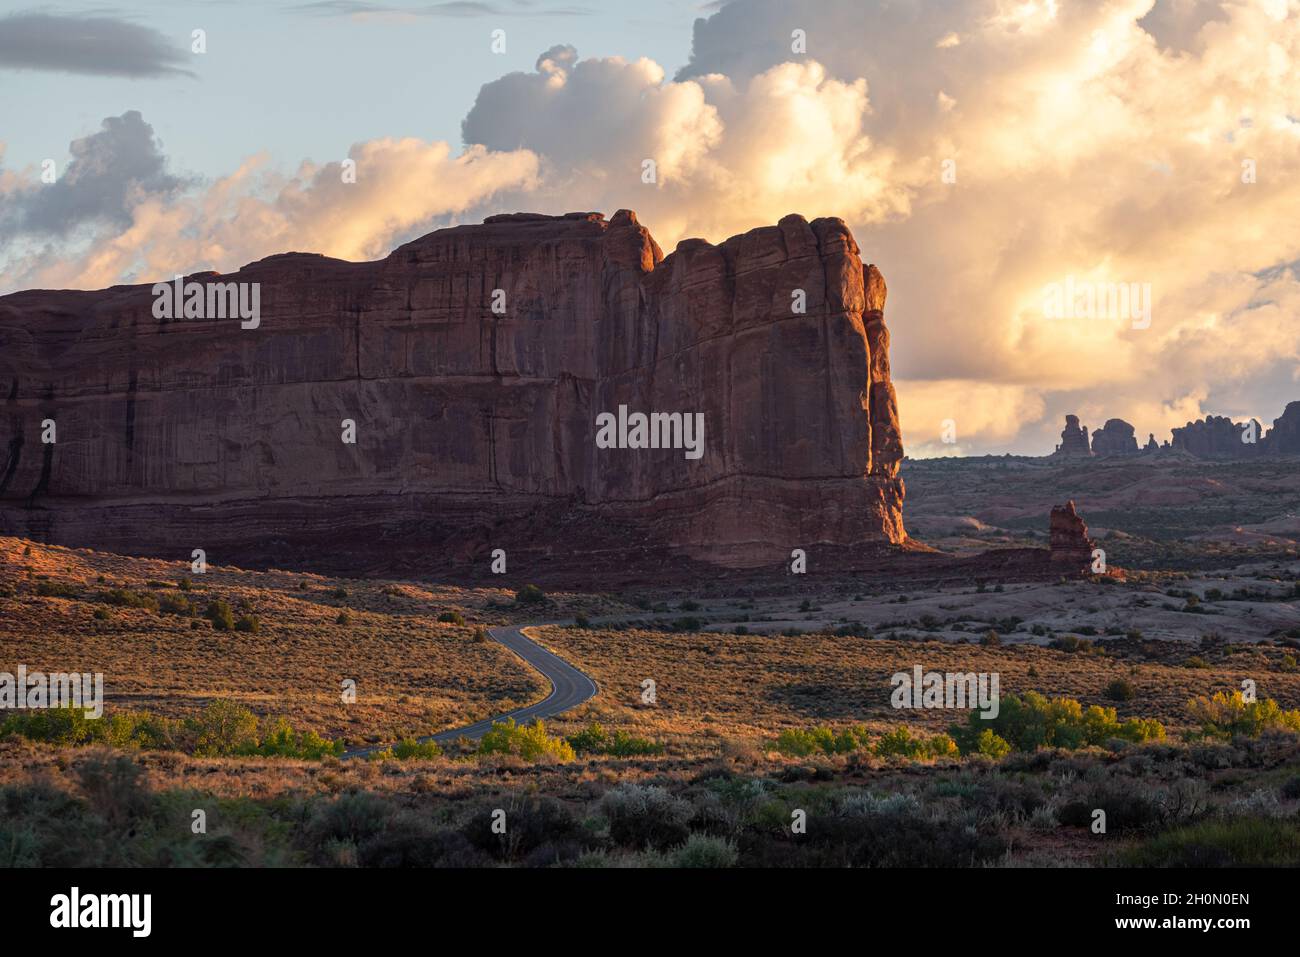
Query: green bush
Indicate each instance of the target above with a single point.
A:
(642, 816)
(900, 743)
(343, 618)
(452, 618)
(596, 740)
(800, 742)
(407, 749)
(248, 623)
(530, 595)
(223, 728)
(1233, 842)
(530, 742)
(1225, 714)
(705, 850)
(56, 590)
(124, 598)
(219, 613)
(1034, 721)
(1120, 689)
(176, 605)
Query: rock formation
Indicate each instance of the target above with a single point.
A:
(1284, 437)
(1074, 438)
(1068, 541)
(1218, 437)
(1114, 438)
(473, 364)
(1152, 445)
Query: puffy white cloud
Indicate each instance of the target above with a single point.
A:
(1116, 141)
(400, 186)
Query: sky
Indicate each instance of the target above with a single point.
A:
(995, 158)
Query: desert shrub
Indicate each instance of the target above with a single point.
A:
(1120, 689)
(530, 742)
(452, 618)
(125, 598)
(407, 749)
(66, 725)
(1291, 789)
(339, 593)
(990, 639)
(248, 623)
(343, 618)
(223, 728)
(991, 745)
(594, 739)
(799, 742)
(277, 738)
(1224, 715)
(47, 589)
(219, 613)
(1127, 808)
(705, 850)
(176, 605)
(895, 830)
(1231, 842)
(1034, 721)
(646, 816)
(101, 614)
(901, 743)
(540, 828)
(530, 595)
(480, 634)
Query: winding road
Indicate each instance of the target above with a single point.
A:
(569, 688)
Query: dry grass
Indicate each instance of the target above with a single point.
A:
(413, 673)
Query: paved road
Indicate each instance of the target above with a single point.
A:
(569, 688)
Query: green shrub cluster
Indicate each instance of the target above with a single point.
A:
(528, 741)
(1225, 715)
(1034, 721)
(407, 749)
(125, 598)
(223, 728)
(900, 742)
(594, 739)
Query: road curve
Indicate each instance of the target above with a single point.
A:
(569, 688)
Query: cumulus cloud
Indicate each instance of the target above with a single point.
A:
(96, 45)
(109, 172)
(981, 150)
(401, 186)
(1115, 142)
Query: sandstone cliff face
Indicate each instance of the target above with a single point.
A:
(474, 430)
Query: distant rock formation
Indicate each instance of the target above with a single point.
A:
(1218, 437)
(1069, 544)
(472, 367)
(1114, 438)
(1074, 439)
(1152, 445)
(1284, 437)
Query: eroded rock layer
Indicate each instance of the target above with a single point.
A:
(474, 430)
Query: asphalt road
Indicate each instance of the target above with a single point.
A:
(569, 688)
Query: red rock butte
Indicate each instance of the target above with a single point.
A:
(474, 430)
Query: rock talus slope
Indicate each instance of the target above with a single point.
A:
(473, 429)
